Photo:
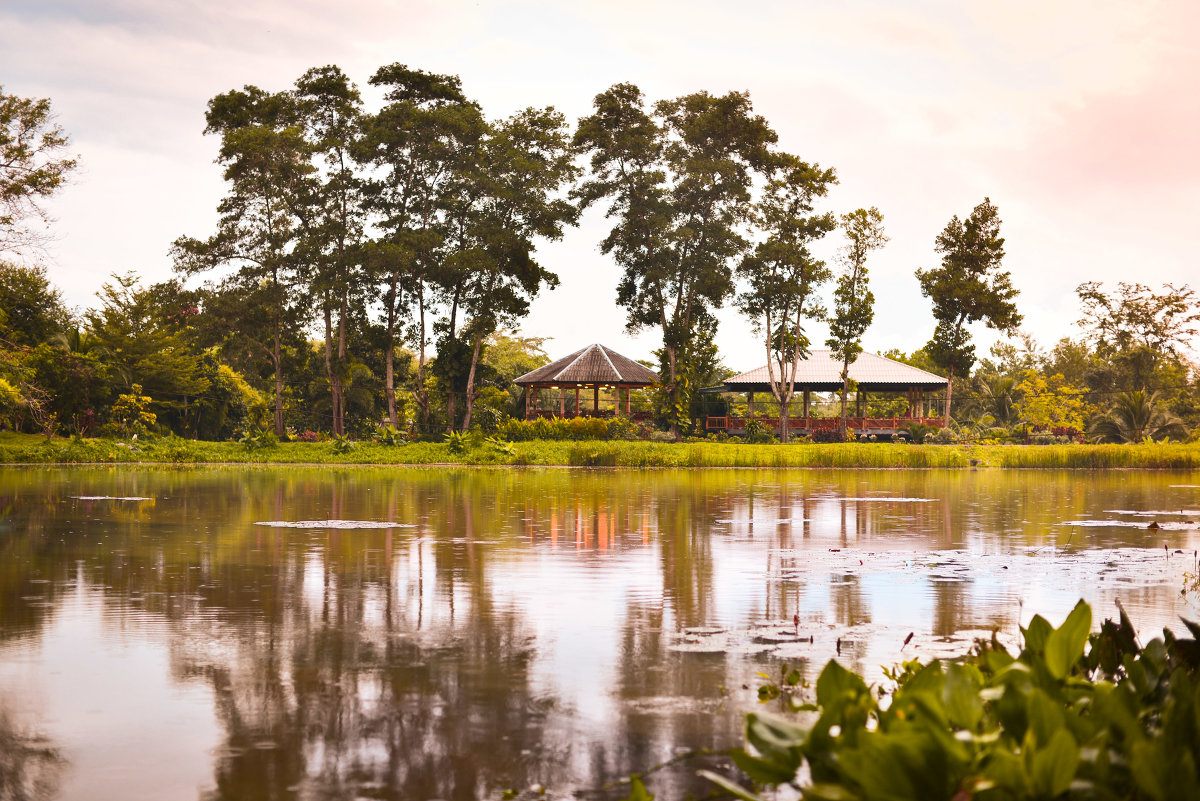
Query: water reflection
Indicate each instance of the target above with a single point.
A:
(519, 628)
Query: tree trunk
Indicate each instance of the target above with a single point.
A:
(422, 395)
(340, 425)
(784, 420)
(329, 365)
(675, 434)
(845, 389)
(949, 392)
(277, 358)
(470, 399)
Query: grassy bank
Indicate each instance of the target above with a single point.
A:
(598, 453)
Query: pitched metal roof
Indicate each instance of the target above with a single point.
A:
(595, 364)
(822, 372)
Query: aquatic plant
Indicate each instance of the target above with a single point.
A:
(1097, 716)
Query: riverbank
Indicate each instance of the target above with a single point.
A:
(25, 449)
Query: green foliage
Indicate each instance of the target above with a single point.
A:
(31, 169)
(456, 441)
(258, 440)
(134, 338)
(31, 310)
(571, 428)
(757, 433)
(919, 432)
(501, 446)
(968, 287)
(342, 444)
(131, 413)
(1134, 417)
(1094, 716)
(678, 181)
(391, 437)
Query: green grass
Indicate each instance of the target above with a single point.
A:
(19, 448)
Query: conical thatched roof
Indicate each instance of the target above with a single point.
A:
(595, 364)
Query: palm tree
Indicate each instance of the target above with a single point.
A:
(1136, 416)
(999, 396)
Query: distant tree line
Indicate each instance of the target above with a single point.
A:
(371, 267)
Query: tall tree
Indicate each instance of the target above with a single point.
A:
(135, 339)
(969, 286)
(330, 108)
(1137, 328)
(268, 170)
(853, 301)
(782, 276)
(419, 142)
(525, 163)
(32, 168)
(31, 309)
(679, 181)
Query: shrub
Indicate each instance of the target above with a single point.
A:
(758, 433)
(943, 436)
(575, 429)
(1096, 716)
(258, 440)
(309, 436)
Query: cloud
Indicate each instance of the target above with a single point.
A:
(1077, 118)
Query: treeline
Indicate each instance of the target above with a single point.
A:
(1128, 377)
(366, 265)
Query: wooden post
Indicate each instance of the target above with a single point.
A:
(749, 405)
(562, 403)
(595, 399)
(627, 391)
(806, 407)
(527, 391)
(576, 410)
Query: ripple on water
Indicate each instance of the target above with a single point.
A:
(110, 498)
(333, 524)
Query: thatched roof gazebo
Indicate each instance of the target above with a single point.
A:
(595, 366)
(821, 372)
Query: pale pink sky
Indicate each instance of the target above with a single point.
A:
(1080, 120)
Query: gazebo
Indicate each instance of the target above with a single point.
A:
(821, 372)
(595, 366)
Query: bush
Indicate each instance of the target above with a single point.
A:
(826, 435)
(943, 436)
(575, 429)
(757, 433)
(1071, 715)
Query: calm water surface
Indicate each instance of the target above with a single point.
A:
(207, 633)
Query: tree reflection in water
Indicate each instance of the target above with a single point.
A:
(520, 628)
(30, 765)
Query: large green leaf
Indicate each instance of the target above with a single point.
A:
(1053, 766)
(835, 683)
(960, 696)
(1065, 644)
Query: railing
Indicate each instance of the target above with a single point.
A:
(823, 423)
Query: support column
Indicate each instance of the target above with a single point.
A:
(562, 402)
(749, 405)
(528, 390)
(627, 391)
(806, 401)
(595, 399)
(576, 411)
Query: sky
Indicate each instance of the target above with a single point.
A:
(1079, 120)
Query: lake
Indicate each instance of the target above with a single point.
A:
(410, 633)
